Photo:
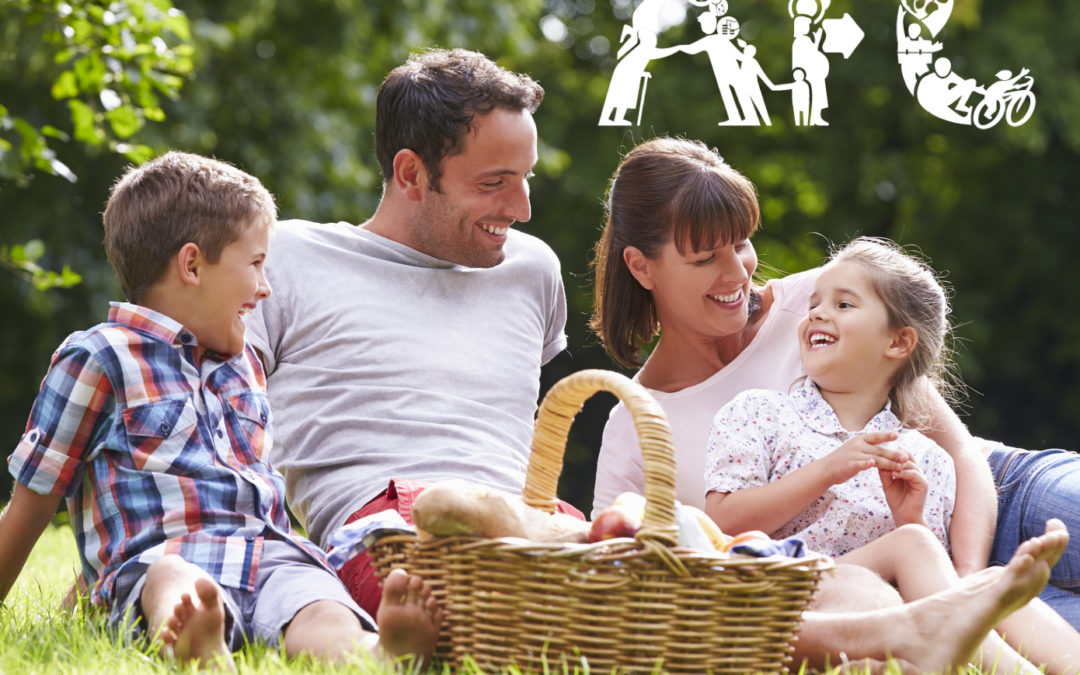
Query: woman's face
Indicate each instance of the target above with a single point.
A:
(704, 292)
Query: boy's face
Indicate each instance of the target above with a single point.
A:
(230, 288)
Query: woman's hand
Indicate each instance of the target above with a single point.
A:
(905, 493)
(860, 453)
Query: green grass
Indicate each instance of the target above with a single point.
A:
(37, 636)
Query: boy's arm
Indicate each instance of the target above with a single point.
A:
(974, 519)
(21, 523)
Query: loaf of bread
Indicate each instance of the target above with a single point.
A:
(458, 508)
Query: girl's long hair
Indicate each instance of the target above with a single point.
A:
(914, 297)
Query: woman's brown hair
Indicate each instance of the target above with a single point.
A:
(666, 189)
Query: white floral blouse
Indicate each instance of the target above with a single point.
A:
(761, 436)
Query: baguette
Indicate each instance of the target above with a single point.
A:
(457, 508)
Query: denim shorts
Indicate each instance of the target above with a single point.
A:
(287, 581)
(1033, 487)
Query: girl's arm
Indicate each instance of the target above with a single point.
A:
(21, 523)
(770, 506)
(767, 507)
(974, 519)
(905, 493)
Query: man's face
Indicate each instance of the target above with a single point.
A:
(484, 190)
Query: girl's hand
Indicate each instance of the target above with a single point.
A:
(905, 493)
(860, 453)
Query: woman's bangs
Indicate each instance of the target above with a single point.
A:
(709, 214)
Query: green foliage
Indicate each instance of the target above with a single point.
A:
(109, 64)
(105, 66)
(285, 89)
(24, 257)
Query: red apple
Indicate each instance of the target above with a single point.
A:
(613, 522)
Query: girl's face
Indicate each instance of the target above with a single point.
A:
(702, 292)
(846, 341)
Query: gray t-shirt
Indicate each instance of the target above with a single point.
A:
(384, 362)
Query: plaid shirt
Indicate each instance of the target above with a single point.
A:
(158, 446)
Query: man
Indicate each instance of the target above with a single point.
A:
(409, 348)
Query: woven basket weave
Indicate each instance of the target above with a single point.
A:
(630, 605)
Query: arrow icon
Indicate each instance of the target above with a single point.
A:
(842, 35)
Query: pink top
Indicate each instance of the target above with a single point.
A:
(770, 361)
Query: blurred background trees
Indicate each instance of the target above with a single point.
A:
(285, 89)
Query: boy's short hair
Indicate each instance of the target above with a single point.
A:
(428, 104)
(156, 208)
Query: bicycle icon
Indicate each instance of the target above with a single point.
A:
(1010, 98)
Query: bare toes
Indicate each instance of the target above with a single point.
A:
(207, 591)
(395, 586)
(415, 591)
(431, 606)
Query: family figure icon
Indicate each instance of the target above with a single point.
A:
(928, 75)
(733, 60)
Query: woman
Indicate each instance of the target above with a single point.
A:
(676, 253)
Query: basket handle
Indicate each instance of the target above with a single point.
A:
(557, 411)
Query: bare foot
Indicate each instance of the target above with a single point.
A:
(951, 625)
(408, 617)
(196, 632)
(1049, 547)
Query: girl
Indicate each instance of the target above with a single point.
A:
(676, 259)
(837, 462)
(787, 463)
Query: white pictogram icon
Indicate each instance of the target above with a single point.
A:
(927, 73)
(938, 88)
(733, 61)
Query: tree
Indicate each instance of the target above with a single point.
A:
(285, 89)
(104, 67)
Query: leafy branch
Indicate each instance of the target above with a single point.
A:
(109, 63)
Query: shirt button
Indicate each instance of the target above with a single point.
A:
(33, 436)
(186, 338)
(221, 433)
(165, 428)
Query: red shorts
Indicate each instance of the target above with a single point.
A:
(358, 574)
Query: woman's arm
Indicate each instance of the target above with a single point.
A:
(620, 466)
(971, 532)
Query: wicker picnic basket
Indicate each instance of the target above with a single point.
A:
(626, 605)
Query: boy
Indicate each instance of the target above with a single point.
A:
(154, 426)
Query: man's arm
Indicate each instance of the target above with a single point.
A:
(974, 518)
(21, 523)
